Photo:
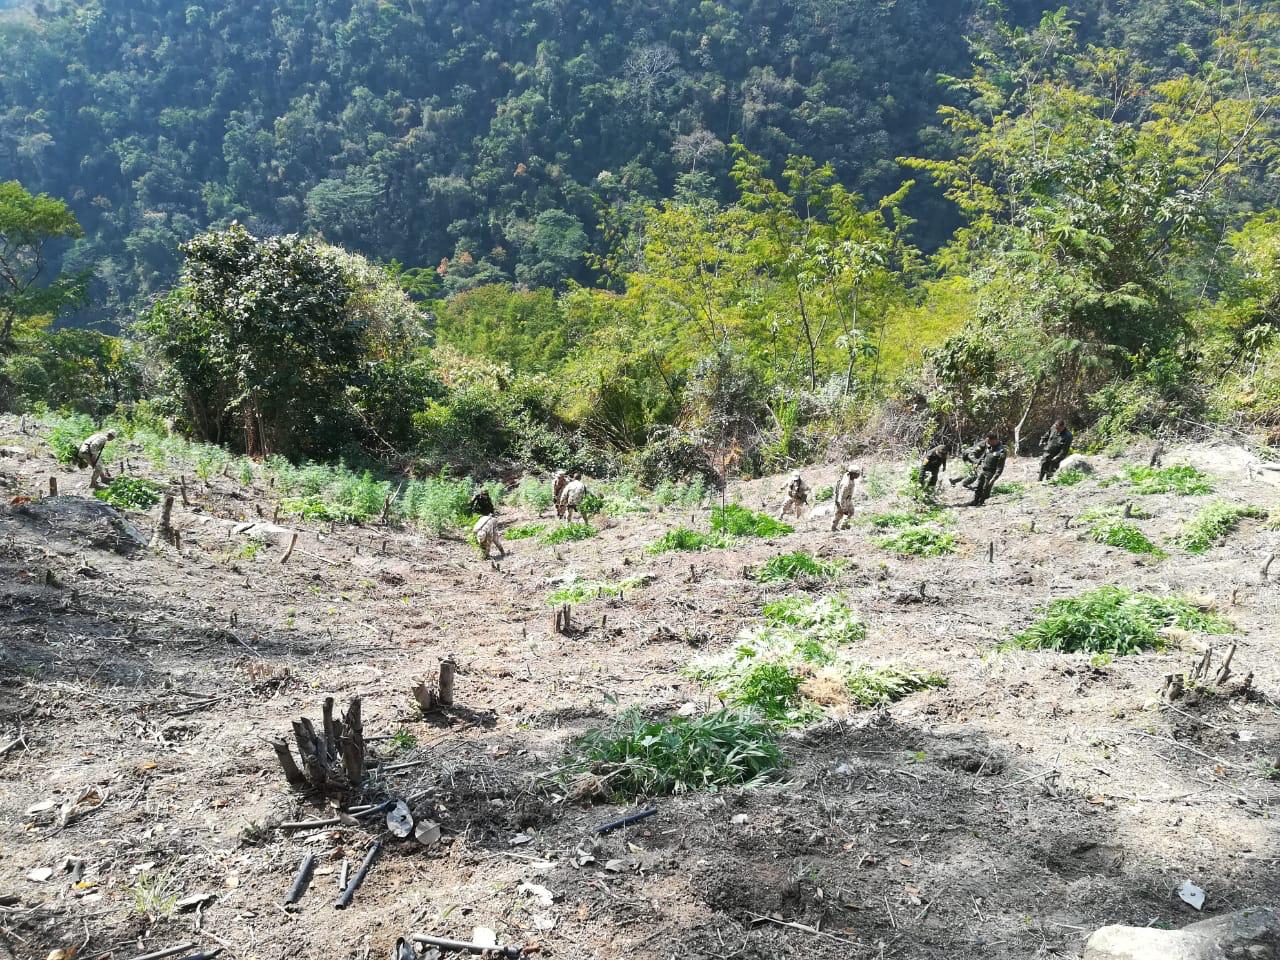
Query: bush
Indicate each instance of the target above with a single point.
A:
(797, 565)
(906, 518)
(621, 498)
(316, 507)
(770, 688)
(130, 493)
(591, 504)
(1113, 620)
(66, 433)
(682, 538)
(635, 757)
(1183, 479)
(569, 533)
(1067, 478)
(525, 531)
(1115, 532)
(688, 494)
(580, 591)
(533, 494)
(919, 542)
(436, 503)
(1212, 524)
(737, 521)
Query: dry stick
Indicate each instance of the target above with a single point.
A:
(301, 879)
(166, 952)
(164, 529)
(510, 953)
(343, 870)
(182, 487)
(1266, 567)
(288, 552)
(53, 486)
(1224, 671)
(344, 899)
(447, 670)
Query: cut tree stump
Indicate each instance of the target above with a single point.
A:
(562, 620)
(164, 532)
(447, 670)
(53, 486)
(333, 758)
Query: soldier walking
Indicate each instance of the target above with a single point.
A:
(846, 493)
(1055, 445)
(989, 469)
(796, 497)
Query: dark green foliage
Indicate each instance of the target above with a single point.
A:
(1067, 478)
(1213, 524)
(524, 532)
(130, 493)
(66, 433)
(1115, 532)
(1114, 620)
(735, 520)
(797, 566)
(635, 757)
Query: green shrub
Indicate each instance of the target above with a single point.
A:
(316, 507)
(533, 494)
(797, 565)
(1067, 478)
(831, 619)
(1113, 620)
(1011, 488)
(735, 520)
(919, 542)
(635, 757)
(525, 532)
(1183, 479)
(1212, 524)
(130, 493)
(877, 686)
(590, 504)
(770, 688)
(682, 538)
(1115, 532)
(907, 518)
(569, 532)
(66, 433)
(436, 503)
(621, 498)
(688, 494)
(824, 494)
(580, 591)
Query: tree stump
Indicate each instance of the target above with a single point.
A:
(164, 532)
(333, 759)
(447, 670)
(53, 486)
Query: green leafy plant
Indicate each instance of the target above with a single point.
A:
(1010, 488)
(687, 494)
(525, 531)
(569, 533)
(316, 507)
(876, 686)
(769, 687)
(919, 542)
(635, 757)
(153, 896)
(796, 566)
(1182, 479)
(580, 591)
(402, 741)
(831, 618)
(436, 503)
(66, 433)
(906, 518)
(735, 520)
(1115, 532)
(591, 504)
(682, 538)
(824, 494)
(533, 494)
(1067, 478)
(130, 493)
(1113, 620)
(1213, 524)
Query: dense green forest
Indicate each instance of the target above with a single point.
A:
(644, 238)
(486, 139)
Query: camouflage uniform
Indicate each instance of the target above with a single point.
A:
(90, 455)
(1055, 446)
(935, 461)
(992, 465)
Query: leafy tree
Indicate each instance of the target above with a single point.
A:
(29, 226)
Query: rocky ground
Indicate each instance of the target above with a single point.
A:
(1032, 800)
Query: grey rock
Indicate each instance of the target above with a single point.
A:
(1076, 462)
(1252, 933)
(81, 522)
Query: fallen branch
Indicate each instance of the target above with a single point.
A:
(510, 953)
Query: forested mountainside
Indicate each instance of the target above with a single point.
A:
(491, 136)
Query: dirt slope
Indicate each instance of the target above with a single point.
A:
(1033, 799)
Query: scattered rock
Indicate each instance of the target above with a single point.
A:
(1250, 934)
(15, 453)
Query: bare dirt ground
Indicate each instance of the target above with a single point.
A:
(1032, 800)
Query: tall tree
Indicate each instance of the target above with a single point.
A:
(29, 226)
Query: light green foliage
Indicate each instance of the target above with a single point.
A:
(1114, 620)
(1213, 524)
(29, 226)
(735, 520)
(1010, 489)
(316, 507)
(436, 503)
(1184, 480)
(919, 542)
(831, 619)
(250, 550)
(525, 531)
(580, 591)
(877, 482)
(591, 505)
(569, 533)
(824, 494)
(130, 493)
(634, 757)
(1067, 478)
(154, 896)
(688, 494)
(621, 497)
(877, 686)
(66, 433)
(1115, 532)
(907, 518)
(331, 493)
(533, 494)
(402, 741)
(682, 538)
(796, 566)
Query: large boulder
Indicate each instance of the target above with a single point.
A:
(1250, 934)
(77, 522)
(1076, 462)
